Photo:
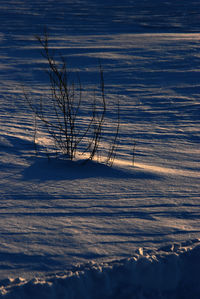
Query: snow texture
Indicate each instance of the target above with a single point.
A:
(89, 231)
(172, 273)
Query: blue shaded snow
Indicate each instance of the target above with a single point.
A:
(171, 272)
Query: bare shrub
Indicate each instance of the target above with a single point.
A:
(64, 122)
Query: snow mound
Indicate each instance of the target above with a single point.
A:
(171, 272)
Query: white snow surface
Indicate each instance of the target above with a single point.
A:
(69, 230)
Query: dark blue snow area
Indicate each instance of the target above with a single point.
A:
(166, 275)
(99, 17)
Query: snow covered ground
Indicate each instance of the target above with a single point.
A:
(71, 231)
(156, 275)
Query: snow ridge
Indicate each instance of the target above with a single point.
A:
(172, 272)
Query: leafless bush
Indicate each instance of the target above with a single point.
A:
(64, 122)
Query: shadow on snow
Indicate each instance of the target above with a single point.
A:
(59, 169)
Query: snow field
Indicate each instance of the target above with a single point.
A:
(91, 231)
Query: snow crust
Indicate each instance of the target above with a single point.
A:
(171, 272)
(131, 231)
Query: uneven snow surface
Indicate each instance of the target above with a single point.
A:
(160, 275)
(167, 275)
(72, 230)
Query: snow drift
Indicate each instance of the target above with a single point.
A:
(55, 216)
(172, 272)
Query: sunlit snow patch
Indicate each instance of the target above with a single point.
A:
(158, 169)
(167, 170)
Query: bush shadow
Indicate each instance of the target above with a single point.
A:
(43, 169)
